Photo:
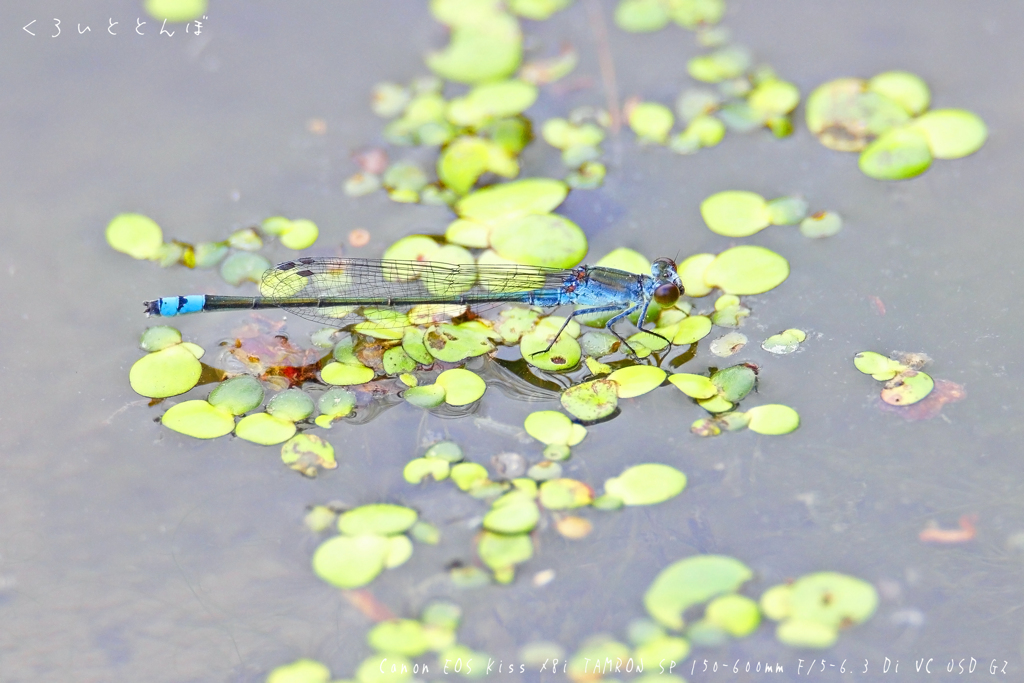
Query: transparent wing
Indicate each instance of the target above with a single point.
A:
(367, 285)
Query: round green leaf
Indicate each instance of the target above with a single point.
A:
(787, 210)
(238, 395)
(952, 133)
(904, 88)
(747, 269)
(734, 383)
(300, 671)
(198, 419)
(136, 235)
(336, 402)
(636, 380)
(821, 224)
(403, 636)
(735, 213)
(487, 50)
(804, 633)
(461, 387)
(591, 400)
(692, 329)
(547, 240)
(641, 16)
(466, 475)
(454, 343)
(350, 561)
(907, 388)
(564, 354)
(243, 266)
(651, 121)
(512, 200)
(646, 484)
(564, 494)
(306, 452)
(346, 374)
(773, 419)
(168, 372)
(412, 248)
(424, 396)
(264, 429)
(845, 116)
(774, 97)
(418, 469)
(897, 154)
(690, 582)
(501, 552)
(738, 615)
(301, 234)
(694, 386)
(513, 513)
(549, 427)
(832, 599)
(381, 519)
(292, 405)
(159, 337)
(448, 451)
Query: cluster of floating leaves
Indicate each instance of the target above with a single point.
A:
(396, 644)
(905, 383)
(739, 213)
(522, 493)
(140, 237)
(886, 119)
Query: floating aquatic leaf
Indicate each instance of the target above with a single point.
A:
(694, 14)
(816, 606)
(691, 273)
(398, 670)
(159, 337)
(487, 50)
(565, 494)
(544, 71)
(589, 176)
(396, 361)
(389, 99)
(746, 269)
(545, 471)
(821, 224)
(784, 342)
(418, 469)
(715, 404)
(466, 475)
(547, 240)
(247, 239)
(168, 372)
(513, 513)
(501, 552)
(728, 344)
(906, 89)
(694, 386)
(136, 235)
(301, 234)
(729, 312)
(264, 429)
(952, 133)
(461, 386)
(693, 103)
(209, 254)
(735, 213)
(334, 404)
(878, 366)
(553, 427)
(238, 395)
(300, 671)
(641, 16)
(306, 452)
(198, 419)
(636, 380)
(511, 200)
(591, 400)
(563, 355)
(425, 396)
(907, 388)
(350, 561)
(646, 484)
(599, 648)
(448, 451)
(734, 383)
(563, 135)
(691, 581)
(845, 116)
(346, 374)
(773, 419)
(491, 101)
(722, 64)
(896, 154)
(176, 11)
(803, 633)
(243, 266)
(454, 343)
(399, 551)
(292, 405)
(382, 519)
(774, 97)
(402, 636)
(787, 210)
(702, 131)
(651, 121)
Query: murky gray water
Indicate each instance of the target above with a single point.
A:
(128, 552)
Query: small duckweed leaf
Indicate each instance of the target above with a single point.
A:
(412, 343)
(832, 599)
(412, 248)
(691, 272)
(346, 374)
(489, 49)
(646, 484)
(513, 513)
(403, 636)
(651, 122)
(662, 648)
(198, 419)
(903, 88)
(418, 469)
(136, 235)
(350, 561)
(168, 372)
(787, 210)
(774, 97)
(821, 224)
(238, 395)
(776, 602)
(907, 388)
(336, 403)
(424, 532)
(564, 354)
(728, 344)
(454, 343)
(300, 235)
(715, 404)
(723, 64)
(591, 400)
(466, 475)
(878, 366)
(424, 396)
(565, 494)
(773, 419)
(243, 266)
(512, 200)
(264, 429)
(694, 386)
(547, 240)
(499, 551)
(158, 338)
(636, 380)
(468, 233)
(396, 361)
(292, 405)
(300, 671)
(734, 383)
(690, 582)
(306, 452)
(735, 213)
(461, 386)
(897, 154)
(549, 427)
(952, 133)
(381, 519)
(805, 633)
(246, 239)
(846, 116)
(449, 451)
(399, 551)
(747, 269)
(784, 342)
(641, 16)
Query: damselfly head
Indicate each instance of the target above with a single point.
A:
(666, 295)
(669, 287)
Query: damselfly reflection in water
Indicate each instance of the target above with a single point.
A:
(331, 290)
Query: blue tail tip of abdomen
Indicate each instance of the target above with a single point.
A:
(175, 305)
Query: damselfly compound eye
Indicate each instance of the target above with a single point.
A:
(666, 295)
